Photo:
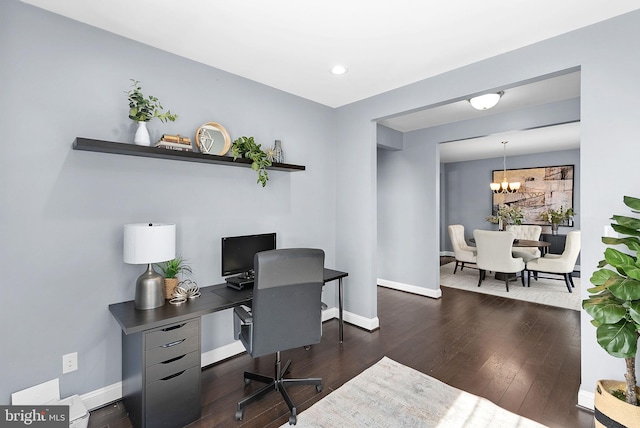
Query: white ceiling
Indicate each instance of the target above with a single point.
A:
(292, 44)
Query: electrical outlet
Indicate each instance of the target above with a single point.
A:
(69, 363)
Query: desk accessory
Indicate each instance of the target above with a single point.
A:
(149, 243)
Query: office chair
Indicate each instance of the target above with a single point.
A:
(285, 314)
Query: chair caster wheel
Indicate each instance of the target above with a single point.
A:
(307, 347)
(318, 388)
(293, 418)
(247, 381)
(239, 414)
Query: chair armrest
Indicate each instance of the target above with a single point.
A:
(243, 314)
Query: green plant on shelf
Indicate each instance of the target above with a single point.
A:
(144, 108)
(246, 147)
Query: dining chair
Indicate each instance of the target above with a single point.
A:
(529, 232)
(561, 264)
(494, 253)
(463, 252)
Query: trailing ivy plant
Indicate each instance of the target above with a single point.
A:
(246, 147)
(614, 303)
(143, 109)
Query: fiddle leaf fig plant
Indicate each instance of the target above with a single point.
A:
(614, 303)
(144, 108)
(247, 147)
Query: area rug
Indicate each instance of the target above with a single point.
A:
(389, 394)
(552, 292)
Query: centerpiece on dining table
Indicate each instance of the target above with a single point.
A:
(506, 215)
(557, 216)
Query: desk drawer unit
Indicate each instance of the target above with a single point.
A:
(161, 375)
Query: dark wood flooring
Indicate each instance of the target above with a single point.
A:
(522, 356)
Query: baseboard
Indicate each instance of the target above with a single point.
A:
(103, 396)
(221, 353)
(447, 254)
(428, 292)
(586, 399)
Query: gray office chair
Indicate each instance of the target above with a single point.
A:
(285, 314)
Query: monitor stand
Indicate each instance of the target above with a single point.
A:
(244, 280)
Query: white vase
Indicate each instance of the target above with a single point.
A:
(142, 135)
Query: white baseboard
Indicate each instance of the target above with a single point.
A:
(428, 292)
(100, 397)
(586, 399)
(221, 353)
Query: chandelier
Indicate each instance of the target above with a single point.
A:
(505, 186)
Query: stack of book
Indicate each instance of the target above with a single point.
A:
(175, 142)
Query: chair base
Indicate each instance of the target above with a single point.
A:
(568, 278)
(276, 383)
(505, 276)
(461, 264)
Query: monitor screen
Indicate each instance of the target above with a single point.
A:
(238, 251)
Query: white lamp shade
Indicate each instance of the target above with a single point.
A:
(149, 243)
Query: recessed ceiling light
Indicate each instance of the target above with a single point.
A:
(338, 69)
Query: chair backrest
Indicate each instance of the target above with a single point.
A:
(456, 234)
(287, 299)
(529, 232)
(571, 248)
(494, 251)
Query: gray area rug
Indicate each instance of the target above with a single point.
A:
(552, 292)
(389, 394)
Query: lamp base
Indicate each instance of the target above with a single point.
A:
(149, 290)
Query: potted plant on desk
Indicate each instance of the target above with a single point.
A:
(614, 305)
(170, 270)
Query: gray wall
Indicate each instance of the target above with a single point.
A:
(606, 54)
(467, 199)
(62, 211)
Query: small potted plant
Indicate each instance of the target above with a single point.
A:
(246, 147)
(144, 108)
(614, 305)
(506, 215)
(170, 269)
(555, 217)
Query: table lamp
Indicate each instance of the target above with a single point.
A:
(148, 243)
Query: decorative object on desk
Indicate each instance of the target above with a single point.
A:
(505, 186)
(614, 305)
(246, 147)
(185, 290)
(506, 215)
(142, 109)
(149, 243)
(557, 216)
(170, 269)
(213, 139)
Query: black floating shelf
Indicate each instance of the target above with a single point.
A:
(91, 145)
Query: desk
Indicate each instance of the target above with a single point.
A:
(161, 353)
(524, 243)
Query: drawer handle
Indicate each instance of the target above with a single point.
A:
(173, 375)
(173, 327)
(173, 359)
(170, 344)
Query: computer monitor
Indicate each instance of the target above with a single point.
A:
(238, 252)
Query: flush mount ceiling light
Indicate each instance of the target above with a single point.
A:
(338, 70)
(486, 101)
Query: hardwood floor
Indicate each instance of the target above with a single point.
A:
(522, 356)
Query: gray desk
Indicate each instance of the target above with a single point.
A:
(161, 353)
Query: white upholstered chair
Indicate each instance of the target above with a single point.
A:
(561, 264)
(494, 254)
(463, 252)
(527, 232)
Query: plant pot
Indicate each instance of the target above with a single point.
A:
(554, 228)
(142, 135)
(608, 408)
(169, 285)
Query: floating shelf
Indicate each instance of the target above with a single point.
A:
(91, 145)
